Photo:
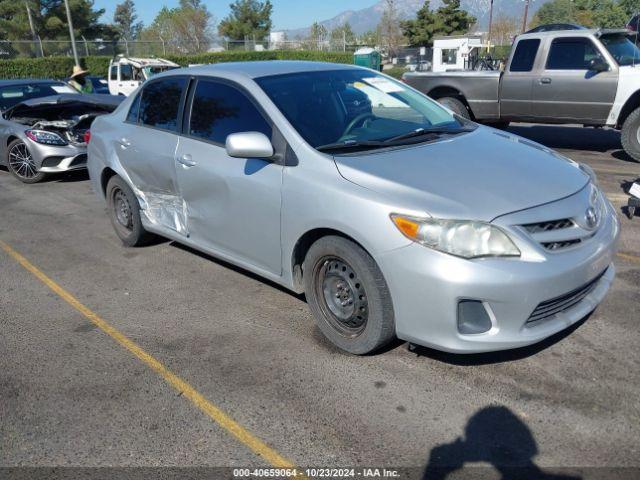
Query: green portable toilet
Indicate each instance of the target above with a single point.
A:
(367, 57)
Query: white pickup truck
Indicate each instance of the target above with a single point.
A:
(127, 73)
(589, 77)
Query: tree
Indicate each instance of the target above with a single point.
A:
(503, 29)
(421, 30)
(124, 20)
(371, 38)
(341, 36)
(590, 13)
(248, 18)
(630, 7)
(449, 19)
(317, 35)
(185, 29)
(390, 32)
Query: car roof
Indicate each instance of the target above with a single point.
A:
(264, 68)
(26, 81)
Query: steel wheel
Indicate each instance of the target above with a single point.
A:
(21, 161)
(342, 296)
(122, 209)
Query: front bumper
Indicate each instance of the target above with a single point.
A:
(426, 287)
(57, 158)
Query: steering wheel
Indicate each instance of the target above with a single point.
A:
(359, 119)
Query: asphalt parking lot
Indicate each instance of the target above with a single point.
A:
(259, 383)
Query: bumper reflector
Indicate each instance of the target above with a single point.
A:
(473, 317)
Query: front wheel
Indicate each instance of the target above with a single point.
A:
(20, 163)
(348, 295)
(630, 135)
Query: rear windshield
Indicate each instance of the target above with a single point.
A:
(13, 94)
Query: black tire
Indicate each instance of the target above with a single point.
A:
(124, 213)
(455, 105)
(498, 125)
(24, 170)
(367, 323)
(630, 133)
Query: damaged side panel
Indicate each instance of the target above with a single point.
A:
(165, 210)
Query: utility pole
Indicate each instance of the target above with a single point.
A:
(31, 27)
(73, 38)
(526, 12)
(490, 23)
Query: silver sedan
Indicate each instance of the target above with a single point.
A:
(394, 216)
(44, 127)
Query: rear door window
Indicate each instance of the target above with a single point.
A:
(113, 72)
(160, 103)
(525, 55)
(571, 54)
(219, 110)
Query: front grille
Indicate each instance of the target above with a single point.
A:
(549, 308)
(560, 245)
(550, 226)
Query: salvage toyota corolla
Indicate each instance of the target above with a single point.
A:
(394, 216)
(44, 125)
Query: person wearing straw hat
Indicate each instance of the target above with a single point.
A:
(79, 81)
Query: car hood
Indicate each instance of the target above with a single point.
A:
(479, 175)
(106, 102)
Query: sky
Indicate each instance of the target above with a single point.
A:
(287, 14)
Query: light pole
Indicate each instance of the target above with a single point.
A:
(73, 38)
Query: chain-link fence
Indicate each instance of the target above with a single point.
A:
(47, 48)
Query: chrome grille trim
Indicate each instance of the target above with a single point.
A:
(549, 308)
(549, 226)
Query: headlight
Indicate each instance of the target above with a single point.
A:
(463, 238)
(589, 171)
(44, 137)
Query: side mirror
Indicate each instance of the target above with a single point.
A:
(598, 65)
(249, 145)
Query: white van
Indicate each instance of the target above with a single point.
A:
(127, 73)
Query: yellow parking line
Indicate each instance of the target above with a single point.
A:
(218, 416)
(631, 258)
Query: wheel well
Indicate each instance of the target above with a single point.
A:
(302, 247)
(440, 92)
(629, 106)
(107, 173)
(11, 139)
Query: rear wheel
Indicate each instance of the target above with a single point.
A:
(20, 163)
(124, 213)
(348, 295)
(630, 135)
(456, 106)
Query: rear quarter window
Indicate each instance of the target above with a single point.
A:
(524, 55)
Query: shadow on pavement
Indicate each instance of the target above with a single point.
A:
(571, 137)
(496, 436)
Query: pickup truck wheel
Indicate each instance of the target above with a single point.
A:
(455, 106)
(630, 135)
(124, 212)
(348, 296)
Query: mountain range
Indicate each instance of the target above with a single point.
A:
(368, 18)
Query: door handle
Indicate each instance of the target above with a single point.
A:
(545, 81)
(124, 142)
(186, 160)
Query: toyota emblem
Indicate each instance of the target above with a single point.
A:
(591, 218)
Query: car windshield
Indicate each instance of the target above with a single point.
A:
(623, 50)
(355, 107)
(11, 95)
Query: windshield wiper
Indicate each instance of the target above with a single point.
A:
(352, 144)
(427, 131)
